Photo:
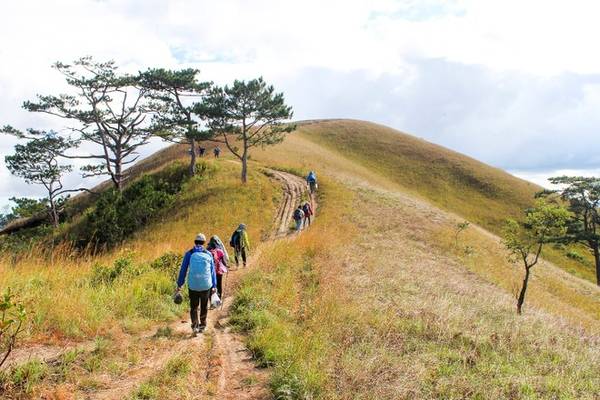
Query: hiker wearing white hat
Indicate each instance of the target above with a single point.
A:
(199, 267)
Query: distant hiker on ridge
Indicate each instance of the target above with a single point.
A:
(199, 267)
(201, 151)
(240, 243)
(298, 217)
(311, 179)
(217, 151)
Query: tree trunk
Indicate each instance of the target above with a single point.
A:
(597, 259)
(118, 179)
(521, 298)
(192, 169)
(245, 167)
(53, 213)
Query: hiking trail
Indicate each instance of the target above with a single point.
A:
(223, 367)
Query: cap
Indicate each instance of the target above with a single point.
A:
(200, 238)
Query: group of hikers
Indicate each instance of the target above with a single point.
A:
(304, 210)
(302, 215)
(202, 151)
(206, 265)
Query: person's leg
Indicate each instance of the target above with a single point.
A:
(244, 255)
(194, 301)
(237, 257)
(298, 224)
(219, 285)
(204, 297)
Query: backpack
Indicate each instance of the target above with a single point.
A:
(220, 268)
(199, 272)
(298, 214)
(236, 240)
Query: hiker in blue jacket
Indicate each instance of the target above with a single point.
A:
(199, 267)
(311, 180)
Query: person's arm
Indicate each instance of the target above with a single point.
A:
(224, 259)
(183, 270)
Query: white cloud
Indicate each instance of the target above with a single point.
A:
(485, 77)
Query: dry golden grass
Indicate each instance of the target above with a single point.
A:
(428, 328)
(363, 153)
(375, 301)
(64, 304)
(411, 316)
(364, 306)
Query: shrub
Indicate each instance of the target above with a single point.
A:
(117, 215)
(168, 263)
(12, 317)
(105, 275)
(573, 255)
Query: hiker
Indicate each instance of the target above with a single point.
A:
(199, 267)
(217, 151)
(240, 243)
(214, 246)
(201, 151)
(311, 179)
(308, 211)
(298, 217)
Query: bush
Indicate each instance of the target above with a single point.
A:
(168, 263)
(123, 267)
(117, 215)
(24, 240)
(573, 255)
(12, 317)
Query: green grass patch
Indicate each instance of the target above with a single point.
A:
(167, 382)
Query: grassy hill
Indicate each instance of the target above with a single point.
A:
(387, 305)
(377, 155)
(450, 180)
(376, 301)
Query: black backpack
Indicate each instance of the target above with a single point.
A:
(235, 239)
(298, 214)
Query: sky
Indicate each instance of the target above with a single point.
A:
(515, 84)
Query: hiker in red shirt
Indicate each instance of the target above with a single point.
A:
(308, 211)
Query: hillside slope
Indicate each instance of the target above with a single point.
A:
(375, 301)
(450, 180)
(379, 301)
(380, 156)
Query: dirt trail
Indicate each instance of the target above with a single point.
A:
(231, 372)
(237, 376)
(293, 189)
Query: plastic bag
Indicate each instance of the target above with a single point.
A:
(215, 301)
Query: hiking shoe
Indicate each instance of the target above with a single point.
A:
(195, 331)
(201, 328)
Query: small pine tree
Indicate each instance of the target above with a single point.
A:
(543, 223)
(251, 111)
